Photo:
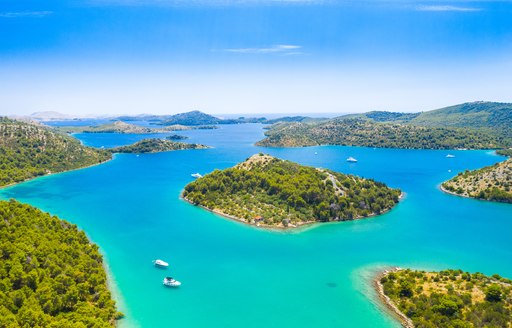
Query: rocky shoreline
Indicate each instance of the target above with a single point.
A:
(404, 320)
(279, 226)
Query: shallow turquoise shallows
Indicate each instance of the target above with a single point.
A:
(235, 275)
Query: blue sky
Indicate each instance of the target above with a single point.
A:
(252, 56)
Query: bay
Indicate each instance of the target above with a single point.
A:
(235, 275)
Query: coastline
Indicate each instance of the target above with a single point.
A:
(390, 306)
(111, 284)
(297, 228)
(263, 226)
(53, 173)
(440, 187)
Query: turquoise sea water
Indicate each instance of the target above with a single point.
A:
(234, 275)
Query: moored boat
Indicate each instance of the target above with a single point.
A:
(171, 282)
(196, 175)
(160, 263)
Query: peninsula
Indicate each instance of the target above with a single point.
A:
(123, 127)
(29, 150)
(480, 125)
(492, 183)
(450, 298)
(51, 275)
(270, 192)
(155, 146)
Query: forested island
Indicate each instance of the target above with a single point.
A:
(480, 125)
(30, 150)
(155, 146)
(271, 192)
(176, 137)
(50, 274)
(492, 183)
(447, 299)
(123, 127)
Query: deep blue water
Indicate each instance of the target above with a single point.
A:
(235, 275)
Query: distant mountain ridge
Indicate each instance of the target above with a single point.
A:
(479, 115)
(476, 125)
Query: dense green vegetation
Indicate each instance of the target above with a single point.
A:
(50, 275)
(278, 192)
(478, 125)
(357, 132)
(477, 115)
(492, 183)
(451, 298)
(155, 146)
(504, 152)
(29, 150)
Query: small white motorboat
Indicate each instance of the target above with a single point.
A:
(351, 160)
(171, 282)
(450, 156)
(196, 175)
(160, 263)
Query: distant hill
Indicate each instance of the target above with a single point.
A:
(200, 118)
(50, 116)
(29, 150)
(477, 115)
(478, 125)
(473, 115)
(123, 127)
(365, 133)
(193, 118)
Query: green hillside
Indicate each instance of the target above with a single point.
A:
(50, 274)
(269, 191)
(478, 125)
(357, 132)
(29, 150)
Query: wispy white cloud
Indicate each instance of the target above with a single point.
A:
(283, 49)
(446, 8)
(204, 2)
(17, 14)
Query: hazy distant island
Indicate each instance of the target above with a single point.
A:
(155, 146)
(199, 118)
(52, 276)
(480, 125)
(270, 192)
(176, 137)
(123, 127)
(492, 183)
(446, 299)
(30, 150)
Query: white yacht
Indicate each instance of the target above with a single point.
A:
(450, 156)
(171, 282)
(160, 263)
(196, 175)
(351, 160)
